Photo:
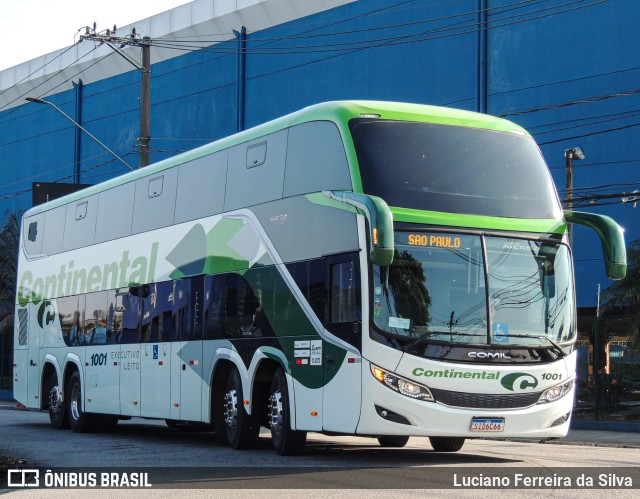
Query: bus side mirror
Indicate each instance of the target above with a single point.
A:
(612, 238)
(380, 221)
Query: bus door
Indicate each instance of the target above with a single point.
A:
(129, 355)
(158, 331)
(342, 372)
(34, 341)
(186, 353)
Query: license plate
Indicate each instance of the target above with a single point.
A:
(487, 424)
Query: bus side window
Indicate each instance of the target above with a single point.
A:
(310, 278)
(188, 305)
(131, 315)
(114, 315)
(344, 314)
(215, 294)
(157, 314)
(69, 319)
(95, 332)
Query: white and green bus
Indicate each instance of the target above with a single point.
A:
(361, 268)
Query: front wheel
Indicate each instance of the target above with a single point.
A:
(57, 407)
(79, 421)
(242, 429)
(286, 441)
(446, 444)
(392, 440)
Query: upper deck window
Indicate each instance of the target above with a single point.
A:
(454, 169)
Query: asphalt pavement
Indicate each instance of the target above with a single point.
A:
(605, 437)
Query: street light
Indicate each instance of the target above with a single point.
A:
(41, 101)
(570, 155)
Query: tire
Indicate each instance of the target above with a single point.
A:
(57, 406)
(446, 444)
(217, 411)
(171, 423)
(286, 441)
(393, 440)
(79, 421)
(241, 428)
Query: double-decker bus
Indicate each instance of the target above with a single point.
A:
(363, 268)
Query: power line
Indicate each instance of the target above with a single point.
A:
(382, 42)
(608, 130)
(622, 114)
(20, 97)
(600, 98)
(583, 165)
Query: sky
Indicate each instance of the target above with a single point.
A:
(31, 28)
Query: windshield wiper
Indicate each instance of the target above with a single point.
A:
(427, 336)
(556, 347)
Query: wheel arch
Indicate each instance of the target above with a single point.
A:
(72, 364)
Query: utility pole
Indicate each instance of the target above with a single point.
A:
(145, 104)
(570, 155)
(117, 43)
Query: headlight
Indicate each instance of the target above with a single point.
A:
(555, 392)
(401, 385)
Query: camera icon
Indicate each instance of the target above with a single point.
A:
(23, 478)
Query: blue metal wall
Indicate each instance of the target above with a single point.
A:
(541, 63)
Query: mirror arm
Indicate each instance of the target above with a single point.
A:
(380, 220)
(611, 236)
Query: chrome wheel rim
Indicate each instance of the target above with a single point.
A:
(75, 402)
(275, 412)
(231, 408)
(55, 401)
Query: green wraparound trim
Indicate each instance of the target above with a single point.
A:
(543, 226)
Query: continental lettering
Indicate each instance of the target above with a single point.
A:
(69, 280)
(453, 374)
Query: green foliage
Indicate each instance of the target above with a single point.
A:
(411, 297)
(9, 241)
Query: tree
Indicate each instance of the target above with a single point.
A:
(9, 240)
(623, 297)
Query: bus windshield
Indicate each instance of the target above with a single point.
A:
(467, 289)
(454, 169)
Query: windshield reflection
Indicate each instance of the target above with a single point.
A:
(436, 289)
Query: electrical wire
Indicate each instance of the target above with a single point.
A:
(382, 42)
(47, 80)
(560, 105)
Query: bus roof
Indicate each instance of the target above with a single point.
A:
(339, 112)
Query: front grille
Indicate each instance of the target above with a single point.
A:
(485, 400)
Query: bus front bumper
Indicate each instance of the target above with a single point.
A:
(386, 412)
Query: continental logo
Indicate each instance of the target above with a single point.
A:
(514, 382)
(69, 281)
(519, 382)
(452, 373)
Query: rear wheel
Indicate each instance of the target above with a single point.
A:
(446, 444)
(393, 441)
(241, 428)
(57, 408)
(79, 421)
(286, 441)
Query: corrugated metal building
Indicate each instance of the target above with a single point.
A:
(567, 70)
